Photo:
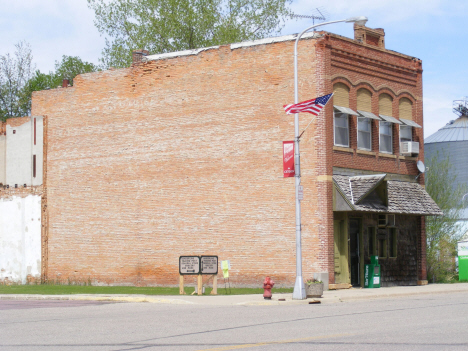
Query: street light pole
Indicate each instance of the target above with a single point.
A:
(299, 288)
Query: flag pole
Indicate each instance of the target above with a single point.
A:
(299, 287)
(299, 292)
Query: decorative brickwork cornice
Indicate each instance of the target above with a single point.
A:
(332, 36)
(373, 61)
(373, 68)
(360, 83)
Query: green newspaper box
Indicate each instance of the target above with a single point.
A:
(463, 261)
(372, 273)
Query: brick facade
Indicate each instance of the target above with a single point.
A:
(379, 71)
(182, 156)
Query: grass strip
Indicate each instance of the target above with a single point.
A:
(45, 289)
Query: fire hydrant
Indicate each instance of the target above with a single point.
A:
(267, 285)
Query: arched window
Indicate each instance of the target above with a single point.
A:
(364, 100)
(385, 105)
(341, 117)
(405, 109)
(341, 95)
(386, 126)
(364, 125)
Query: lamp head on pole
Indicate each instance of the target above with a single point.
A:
(361, 20)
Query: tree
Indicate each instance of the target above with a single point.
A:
(15, 72)
(172, 25)
(68, 68)
(443, 232)
(71, 66)
(39, 81)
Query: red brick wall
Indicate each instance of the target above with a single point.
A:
(179, 157)
(183, 156)
(379, 71)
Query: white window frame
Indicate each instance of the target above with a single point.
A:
(334, 127)
(405, 127)
(370, 133)
(380, 137)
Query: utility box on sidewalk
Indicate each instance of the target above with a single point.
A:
(463, 261)
(372, 273)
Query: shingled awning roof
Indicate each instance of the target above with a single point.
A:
(361, 186)
(403, 197)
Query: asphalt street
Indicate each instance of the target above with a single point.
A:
(428, 322)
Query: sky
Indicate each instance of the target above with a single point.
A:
(434, 31)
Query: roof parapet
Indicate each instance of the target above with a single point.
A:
(370, 36)
(232, 46)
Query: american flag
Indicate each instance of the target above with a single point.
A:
(313, 106)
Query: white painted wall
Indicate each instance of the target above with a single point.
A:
(20, 238)
(2, 158)
(19, 152)
(18, 155)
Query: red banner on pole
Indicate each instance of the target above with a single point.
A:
(288, 159)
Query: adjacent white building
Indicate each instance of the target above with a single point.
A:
(21, 154)
(20, 238)
(21, 166)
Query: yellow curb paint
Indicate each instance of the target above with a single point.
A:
(245, 346)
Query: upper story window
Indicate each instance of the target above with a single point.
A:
(364, 125)
(386, 126)
(385, 137)
(405, 109)
(364, 137)
(341, 121)
(341, 114)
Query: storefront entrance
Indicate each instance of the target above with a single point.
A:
(341, 251)
(347, 253)
(354, 252)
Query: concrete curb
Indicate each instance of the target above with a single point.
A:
(331, 296)
(97, 297)
(393, 292)
(232, 300)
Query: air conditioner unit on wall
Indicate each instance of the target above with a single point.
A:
(409, 148)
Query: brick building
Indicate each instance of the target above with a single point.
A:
(181, 154)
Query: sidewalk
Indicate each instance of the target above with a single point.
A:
(331, 296)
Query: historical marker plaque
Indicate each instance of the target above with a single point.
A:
(209, 265)
(189, 265)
